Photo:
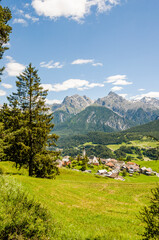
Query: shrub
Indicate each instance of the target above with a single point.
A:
(45, 166)
(150, 217)
(124, 173)
(20, 216)
(1, 171)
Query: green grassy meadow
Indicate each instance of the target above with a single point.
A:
(145, 143)
(85, 206)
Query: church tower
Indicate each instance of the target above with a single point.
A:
(84, 153)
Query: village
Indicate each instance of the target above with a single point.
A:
(111, 168)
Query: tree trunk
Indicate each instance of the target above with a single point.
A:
(30, 128)
(31, 167)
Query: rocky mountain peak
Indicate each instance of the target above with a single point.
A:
(113, 94)
(74, 104)
(88, 99)
(153, 102)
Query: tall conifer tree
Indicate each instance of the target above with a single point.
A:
(28, 123)
(5, 30)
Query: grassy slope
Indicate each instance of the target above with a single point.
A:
(138, 143)
(152, 164)
(85, 206)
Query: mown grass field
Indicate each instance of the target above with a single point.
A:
(84, 206)
(145, 143)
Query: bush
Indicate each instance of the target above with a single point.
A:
(45, 166)
(1, 171)
(20, 216)
(150, 217)
(124, 173)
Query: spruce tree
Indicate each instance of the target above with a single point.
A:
(28, 125)
(5, 30)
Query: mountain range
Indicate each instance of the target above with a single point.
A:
(80, 114)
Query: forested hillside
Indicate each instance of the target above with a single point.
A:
(93, 118)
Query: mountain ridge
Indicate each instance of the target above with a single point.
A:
(133, 113)
(94, 118)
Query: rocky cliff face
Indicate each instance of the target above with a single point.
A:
(121, 105)
(73, 104)
(151, 102)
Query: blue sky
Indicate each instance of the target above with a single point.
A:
(85, 47)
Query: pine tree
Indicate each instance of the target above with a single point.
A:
(84, 163)
(28, 125)
(5, 30)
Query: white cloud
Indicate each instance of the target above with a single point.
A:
(26, 5)
(122, 82)
(51, 64)
(6, 85)
(13, 68)
(74, 9)
(97, 64)
(82, 61)
(118, 80)
(21, 21)
(27, 16)
(86, 61)
(70, 84)
(141, 89)
(2, 93)
(124, 95)
(48, 101)
(47, 86)
(149, 94)
(116, 88)
(34, 19)
(115, 78)
(24, 16)
(19, 12)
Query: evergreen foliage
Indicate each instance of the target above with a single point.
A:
(84, 163)
(152, 153)
(21, 217)
(2, 144)
(44, 167)
(27, 125)
(150, 217)
(5, 30)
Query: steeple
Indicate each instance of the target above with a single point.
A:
(84, 152)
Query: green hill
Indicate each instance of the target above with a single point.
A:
(148, 127)
(140, 116)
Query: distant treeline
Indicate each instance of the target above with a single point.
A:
(73, 144)
(136, 133)
(103, 138)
